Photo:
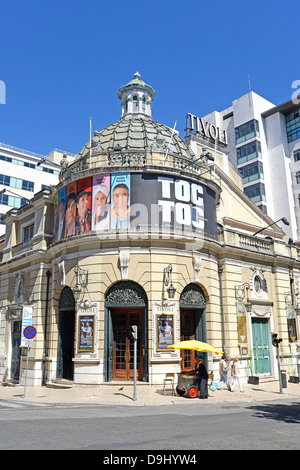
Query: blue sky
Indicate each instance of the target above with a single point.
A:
(64, 61)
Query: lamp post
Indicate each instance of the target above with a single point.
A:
(283, 219)
(240, 295)
(81, 282)
(167, 279)
(4, 190)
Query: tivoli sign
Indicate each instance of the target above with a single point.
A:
(205, 129)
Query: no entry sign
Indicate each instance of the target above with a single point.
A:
(29, 332)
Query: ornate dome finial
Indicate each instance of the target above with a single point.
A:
(137, 76)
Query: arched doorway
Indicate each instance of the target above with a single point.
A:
(66, 324)
(125, 305)
(192, 323)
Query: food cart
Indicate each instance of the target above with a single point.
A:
(188, 384)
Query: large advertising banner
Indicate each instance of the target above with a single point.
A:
(70, 215)
(55, 215)
(83, 205)
(61, 214)
(101, 202)
(120, 201)
(138, 202)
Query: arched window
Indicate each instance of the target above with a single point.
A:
(144, 105)
(135, 104)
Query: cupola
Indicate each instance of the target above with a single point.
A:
(136, 97)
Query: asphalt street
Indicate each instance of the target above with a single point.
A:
(271, 425)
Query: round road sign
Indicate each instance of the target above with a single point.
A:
(29, 332)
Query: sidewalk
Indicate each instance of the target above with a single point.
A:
(147, 395)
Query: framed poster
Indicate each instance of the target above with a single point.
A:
(164, 331)
(86, 336)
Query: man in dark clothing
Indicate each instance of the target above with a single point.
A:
(203, 376)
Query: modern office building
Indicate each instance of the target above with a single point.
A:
(264, 144)
(21, 176)
(149, 231)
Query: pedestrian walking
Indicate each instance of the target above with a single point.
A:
(235, 374)
(223, 370)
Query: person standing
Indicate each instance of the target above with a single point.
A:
(235, 374)
(223, 370)
(203, 376)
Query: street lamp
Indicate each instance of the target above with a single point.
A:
(283, 219)
(240, 292)
(167, 278)
(81, 282)
(4, 190)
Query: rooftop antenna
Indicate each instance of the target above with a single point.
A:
(249, 83)
(166, 156)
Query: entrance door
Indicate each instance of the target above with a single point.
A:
(16, 350)
(123, 345)
(187, 321)
(261, 346)
(65, 345)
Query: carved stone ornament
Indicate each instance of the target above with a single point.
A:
(62, 272)
(192, 296)
(197, 261)
(126, 293)
(124, 258)
(19, 288)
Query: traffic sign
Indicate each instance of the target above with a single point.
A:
(29, 332)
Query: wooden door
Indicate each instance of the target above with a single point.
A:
(123, 347)
(187, 321)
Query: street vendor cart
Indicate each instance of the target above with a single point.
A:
(188, 385)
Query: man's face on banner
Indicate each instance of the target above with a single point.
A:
(82, 205)
(120, 199)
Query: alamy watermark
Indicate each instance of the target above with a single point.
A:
(296, 94)
(2, 92)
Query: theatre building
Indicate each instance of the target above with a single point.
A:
(149, 230)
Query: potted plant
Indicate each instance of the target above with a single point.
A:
(293, 377)
(253, 379)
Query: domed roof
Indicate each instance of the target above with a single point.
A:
(135, 132)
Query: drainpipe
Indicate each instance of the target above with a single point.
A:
(48, 274)
(220, 271)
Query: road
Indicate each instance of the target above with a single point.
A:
(192, 427)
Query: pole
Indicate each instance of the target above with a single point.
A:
(90, 142)
(48, 274)
(134, 368)
(279, 370)
(28, 347)
(166, 156)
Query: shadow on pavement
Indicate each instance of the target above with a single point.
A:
(288, 413)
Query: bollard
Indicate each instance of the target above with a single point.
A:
(283, 379)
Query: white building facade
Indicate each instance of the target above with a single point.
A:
(21, 177)
(264, 144)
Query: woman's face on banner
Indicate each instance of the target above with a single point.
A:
(70, 209)
(100, 199)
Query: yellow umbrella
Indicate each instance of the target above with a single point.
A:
(196, 346)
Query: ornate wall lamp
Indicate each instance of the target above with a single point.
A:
(241, 292)
(81, 282)
(167, 279)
